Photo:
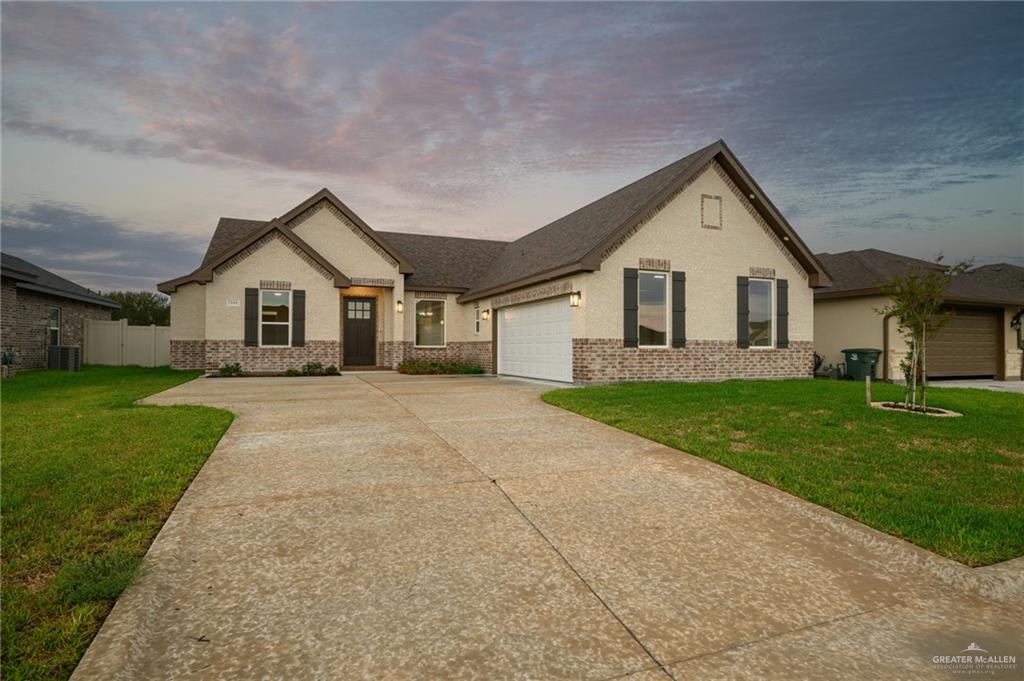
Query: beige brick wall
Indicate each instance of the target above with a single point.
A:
(711, 258)
(188, 312)
(274, 261)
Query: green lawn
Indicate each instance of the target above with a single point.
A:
(952, 485)
(87, 481)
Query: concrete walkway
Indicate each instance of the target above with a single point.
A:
(378, 526)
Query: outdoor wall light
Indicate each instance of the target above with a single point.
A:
(574, 299)
(400, 306)
(485, 315)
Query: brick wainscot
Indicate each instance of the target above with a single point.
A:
(460, 352)
(217, 353)
(604, 360)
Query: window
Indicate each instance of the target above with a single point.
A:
(53, 327)
(430, 323)
(653, 312)
(359, 309)
(761, 303)
(275, 317)
(477, 322)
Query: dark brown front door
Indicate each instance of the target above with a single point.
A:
(360, 331)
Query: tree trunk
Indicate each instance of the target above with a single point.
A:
(924, 373)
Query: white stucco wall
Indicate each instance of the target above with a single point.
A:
(188, 313)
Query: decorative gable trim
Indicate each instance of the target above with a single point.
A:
(754, 213)
(614, 246)
(263, 241)
(759, 219)
(274, 230)
(324, 204)
(302, 212)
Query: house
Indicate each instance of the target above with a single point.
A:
(688, 273)
(39, 309)
(977, 341)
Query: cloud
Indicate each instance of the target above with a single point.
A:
(441, 112)
(100, 253)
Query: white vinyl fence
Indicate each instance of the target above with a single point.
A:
(117, 343)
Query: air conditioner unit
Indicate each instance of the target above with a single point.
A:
(64, 357)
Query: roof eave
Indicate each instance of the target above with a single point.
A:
(81, 297)
(204, 274)
(539, 278)
(817, 275)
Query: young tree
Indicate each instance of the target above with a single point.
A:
(916, 300)
(142, 307)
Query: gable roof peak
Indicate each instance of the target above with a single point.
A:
(325, 194)
(579, 241)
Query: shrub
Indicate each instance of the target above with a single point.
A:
(419, 368)
(312, 369)
(332, 371)
(233, 369)
(292, 372)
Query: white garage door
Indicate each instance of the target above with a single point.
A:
(535, 340)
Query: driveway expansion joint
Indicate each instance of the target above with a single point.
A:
(572, 568)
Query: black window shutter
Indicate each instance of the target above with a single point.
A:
(252, 316)
(742, 313)
(679, 309)
(630, 308)
(782, 311)
(298, 318)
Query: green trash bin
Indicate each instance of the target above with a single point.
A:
(860, 362)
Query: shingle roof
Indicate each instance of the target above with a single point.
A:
(866, 269)
(35, 278)
(569, 239)
(444, 262)
(1000, 282)
(863, 273)
(228, 232)
(573, 243)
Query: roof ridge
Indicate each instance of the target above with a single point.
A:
(624, 189)
(444, 236)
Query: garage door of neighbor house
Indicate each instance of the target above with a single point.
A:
(968, 345)
(535, 340)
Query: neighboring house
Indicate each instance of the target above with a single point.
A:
(977, 341)
(687, 273)
(39, 309)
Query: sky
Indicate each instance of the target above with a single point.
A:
(129, 128)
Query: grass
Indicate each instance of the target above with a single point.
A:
(954, 486)
(87, 482)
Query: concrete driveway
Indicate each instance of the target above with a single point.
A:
(981, 383)
(378, 526)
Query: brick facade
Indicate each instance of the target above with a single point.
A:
(24, 322)
(264, 359)
(188, 354)
(390, 353)
(461, 352)
(605, 360)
